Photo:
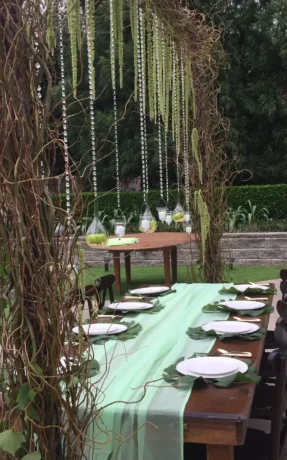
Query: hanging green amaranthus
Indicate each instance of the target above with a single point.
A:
(74, 19)
(51, 40)
(202, 209)
(90, 26)
(195, 151)
(134, 30)
(120, 37)
(150, 63)
(167, 80)
(178, 114)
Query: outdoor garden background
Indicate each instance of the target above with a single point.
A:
(83, 134)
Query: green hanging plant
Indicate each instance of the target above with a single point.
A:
(50, 36)
(150, 56)
(195, 151)
(202, 209)
(135, 37)
(90, 26)
(74, 19)
(120, 37)
(167, 80)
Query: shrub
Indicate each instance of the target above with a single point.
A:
(272, 197)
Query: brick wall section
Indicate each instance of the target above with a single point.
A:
(261, 249)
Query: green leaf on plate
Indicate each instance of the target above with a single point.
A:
(32, 456)
(11, 441)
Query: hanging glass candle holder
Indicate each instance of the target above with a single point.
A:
(168, 218)
(120, 228)
(147, 222)
(178, 213)
(187, 227)
(187, 217)
(162, 210)
(96, 235)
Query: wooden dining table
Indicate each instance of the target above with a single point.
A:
(167, 242)
(219, 417)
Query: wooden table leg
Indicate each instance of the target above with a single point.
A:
(215, 452)
(128, 267)
(166, 263)
(117, 269)
(174, 264)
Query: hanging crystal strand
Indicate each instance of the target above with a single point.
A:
(143, 79)
(165, 122)
(39, 97)
(184, 133)
(139, 17)
(158, 107)
(175, 102)
(113, 71)
(64, 108)
(91, 97)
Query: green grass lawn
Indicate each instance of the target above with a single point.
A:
(155, 275)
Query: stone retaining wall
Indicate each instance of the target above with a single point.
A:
(262, 249)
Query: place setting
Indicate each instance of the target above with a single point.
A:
(251, 288)
(136, 307)
(241, 307)
(154, 291)
(220, 371)
(100, 332)
(227, 329)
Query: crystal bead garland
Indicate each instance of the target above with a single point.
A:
(113, 71)
(158, 106)
(165, 121)
(143, 79)
(91, 97)
(175, 113)
(184, 130)
(39, 97)
(139, 18)
(64, 108)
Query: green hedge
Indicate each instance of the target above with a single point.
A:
(273, 197)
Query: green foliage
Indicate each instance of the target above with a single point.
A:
(11, 441)
(24, 396)
(32, 456)
(234, 218)
(253, 83)
(253, 213)
(272, 197)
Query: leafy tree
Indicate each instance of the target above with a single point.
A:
(254, 83)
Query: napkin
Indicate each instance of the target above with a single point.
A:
(121, 242)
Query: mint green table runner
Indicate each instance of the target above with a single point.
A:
(158, 416)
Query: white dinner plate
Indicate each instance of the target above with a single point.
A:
(101, 329)
(230, 327)
(211, 367)
(244, 287)
(242, 304)
(126, 306)
(150, 290)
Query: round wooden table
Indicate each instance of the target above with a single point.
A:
(165, 242)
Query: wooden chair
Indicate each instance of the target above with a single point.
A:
(273, 400)
(98, 291)
(270, 401)
(283, 284)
